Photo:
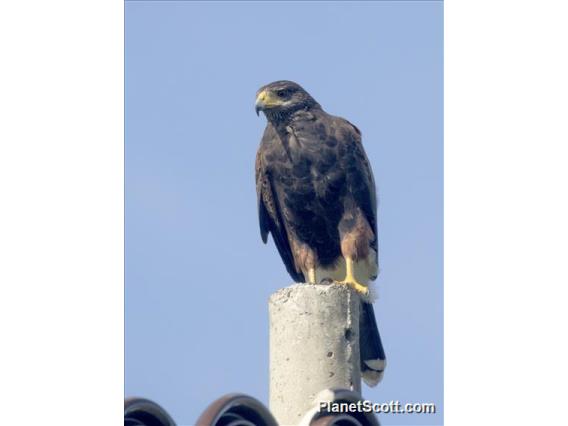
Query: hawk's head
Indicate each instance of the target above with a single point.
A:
(282, 98)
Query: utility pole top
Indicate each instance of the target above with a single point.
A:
(314, 345)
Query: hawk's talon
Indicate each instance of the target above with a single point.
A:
(358, 287)
(350, 279)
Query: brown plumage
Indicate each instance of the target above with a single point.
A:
(316, 196)
(316, 192)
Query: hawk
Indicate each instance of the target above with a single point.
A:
(317, 198)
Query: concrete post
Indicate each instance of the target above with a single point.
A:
(314, 345)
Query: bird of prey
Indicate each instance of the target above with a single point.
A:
(316, 196)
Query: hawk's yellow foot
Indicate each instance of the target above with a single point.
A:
(312, 276)
(358, 287)
(351, 281)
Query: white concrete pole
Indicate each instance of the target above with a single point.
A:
(314, 345)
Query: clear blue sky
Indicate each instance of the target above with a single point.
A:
(197, 274)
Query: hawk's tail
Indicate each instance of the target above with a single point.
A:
(373, 360)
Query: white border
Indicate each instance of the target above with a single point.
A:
(61, 214)
(506, 212)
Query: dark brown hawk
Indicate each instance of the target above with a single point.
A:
(316, 196)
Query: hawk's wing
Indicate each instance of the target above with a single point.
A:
(360, 178)
(270, 216)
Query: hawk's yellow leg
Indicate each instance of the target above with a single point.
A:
(312, 275)
(350, 278)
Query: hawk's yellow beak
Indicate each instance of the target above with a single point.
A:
(265, 99)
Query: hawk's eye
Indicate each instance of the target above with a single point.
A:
(281, 93)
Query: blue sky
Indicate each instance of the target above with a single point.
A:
(197, 274)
